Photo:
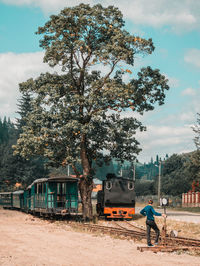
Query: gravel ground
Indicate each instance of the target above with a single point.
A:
(30, 241)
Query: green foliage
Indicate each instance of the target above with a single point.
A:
(101, 172)
(192, 165)
(177, 176)
(24, 107)
(76, 116)
(144, 187)
(6, 130)
(16, 169)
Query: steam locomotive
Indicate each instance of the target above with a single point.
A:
(117, 198)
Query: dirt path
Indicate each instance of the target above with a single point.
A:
(26, 240)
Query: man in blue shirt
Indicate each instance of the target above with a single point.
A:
(149, 212)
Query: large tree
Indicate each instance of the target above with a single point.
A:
(76, 114)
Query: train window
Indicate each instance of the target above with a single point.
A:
(108, 185)
(63, 188)
(130, 185)
(44, 188)
(40, 188)
(58, 188)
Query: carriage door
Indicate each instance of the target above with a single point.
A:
(72, 196)
(51, 195)
(61, 195)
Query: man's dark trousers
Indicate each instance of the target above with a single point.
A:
(151, 224)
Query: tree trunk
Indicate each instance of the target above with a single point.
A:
(86, 182)
(85, 188)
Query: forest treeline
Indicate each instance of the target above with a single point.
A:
(16, 170)
(177, 175)
(177, 171)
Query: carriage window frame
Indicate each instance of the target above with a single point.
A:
(40, 188)
(44, 188)
(108, 185)
(58, 188)
(130, 185)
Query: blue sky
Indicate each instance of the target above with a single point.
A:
(174, 26)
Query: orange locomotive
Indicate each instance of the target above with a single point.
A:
(117, 198)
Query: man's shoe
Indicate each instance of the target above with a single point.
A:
(150, 245)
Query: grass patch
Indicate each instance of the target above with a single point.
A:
(184, 229)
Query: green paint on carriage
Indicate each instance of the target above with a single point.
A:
(46, 195)
(72, 196)
(18, 199)
(54, 194)
(6, 199)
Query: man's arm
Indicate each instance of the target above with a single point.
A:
(143, 212)
(155, 213)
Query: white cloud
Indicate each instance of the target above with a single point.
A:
(162, 140)
(179, 15)
(187, 117)
(48, 6)
(172, 81)
(192, 57)
(16, 68)
(158, 13)
(191, 105)
(189, 92)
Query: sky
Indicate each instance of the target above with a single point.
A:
(174, 26)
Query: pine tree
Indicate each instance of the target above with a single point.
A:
(24, 108)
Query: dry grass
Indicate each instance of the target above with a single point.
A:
(184, 229)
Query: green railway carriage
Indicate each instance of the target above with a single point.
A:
(6, 199)
(18, 199)
(54, 195)
(27, 199)
(49, 196)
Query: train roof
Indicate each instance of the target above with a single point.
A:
(62, 178)
(18, 192)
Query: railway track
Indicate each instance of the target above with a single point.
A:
(137, 233)
(127, 225)
(176, 240)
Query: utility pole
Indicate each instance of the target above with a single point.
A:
(159, 181)
(68, 170)
(133, 171)
(121, 171)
